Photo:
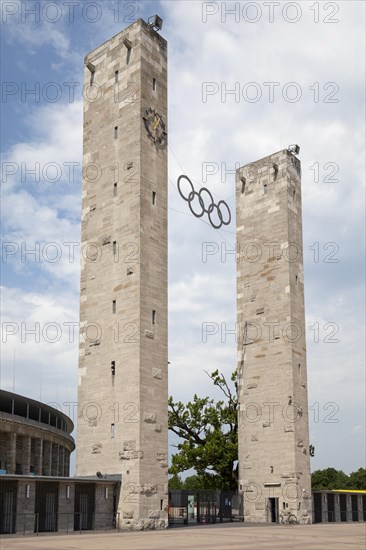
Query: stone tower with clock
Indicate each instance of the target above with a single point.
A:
(123, 362)
(273, 434)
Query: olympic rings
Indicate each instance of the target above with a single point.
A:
(203, 209)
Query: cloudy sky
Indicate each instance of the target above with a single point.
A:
(295, 71)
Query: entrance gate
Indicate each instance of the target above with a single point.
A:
(354, 502)
(46, 506)
(331, 508)
(317, 508)
(203, 507)
(272, 510)
(84, 506)
(8, 499)
(343, 507)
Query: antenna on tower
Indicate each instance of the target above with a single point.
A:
(14, 370)
(40, 384)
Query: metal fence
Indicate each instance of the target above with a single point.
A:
(327, 516)
(60, 522)
(203, 507)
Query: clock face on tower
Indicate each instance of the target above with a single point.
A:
(155, 127)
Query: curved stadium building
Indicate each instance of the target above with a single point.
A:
(34, 437)
(36, 492)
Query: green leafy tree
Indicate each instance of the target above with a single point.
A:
(330, 478)
(175, 482)
(209, 436)
(195, 483)
(357, 480)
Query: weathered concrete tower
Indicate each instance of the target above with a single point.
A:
(123, 386)
(274, 465)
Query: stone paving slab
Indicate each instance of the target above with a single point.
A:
(217, 537)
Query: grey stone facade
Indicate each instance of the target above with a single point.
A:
(123, 386)
(32, 504)
(339, 506)
(34, 437)
(274, 464)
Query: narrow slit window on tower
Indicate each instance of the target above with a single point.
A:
(299, 368)
(154, 85)
(115, 189)
(114, 306)
(113, 431)
(115, 132)
(243, 184)
(116, 76)
(128, 45)
(296, 279)
(154, 198)
(153, 317)
(293, 194)
(91, 68)
(113, 368)
(114, 246)
(265, 188)
(161, 504)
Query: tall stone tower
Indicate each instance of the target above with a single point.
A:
(123, 386)
(274, 464)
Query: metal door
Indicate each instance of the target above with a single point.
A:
(331, 508)
(50, 512)
(354, 500)
(46, 506)
(9, 516)
(84, 511)
(317, 508)
(84, 506)
(343, 507)
(272, 510)
(8, 502)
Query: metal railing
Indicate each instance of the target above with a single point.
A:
(64, 522)
(338, 516)
(204, 507)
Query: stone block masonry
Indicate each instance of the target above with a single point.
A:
(123, 385)
(274, 463)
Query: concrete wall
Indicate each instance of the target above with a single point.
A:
(66, 505)
(26, 496)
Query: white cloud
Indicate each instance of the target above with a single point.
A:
(228, 132)
(226, 53)
(37, 29)
(36, 325)
(357, 429)
(36, 211)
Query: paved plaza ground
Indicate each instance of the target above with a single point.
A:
(348, 536)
